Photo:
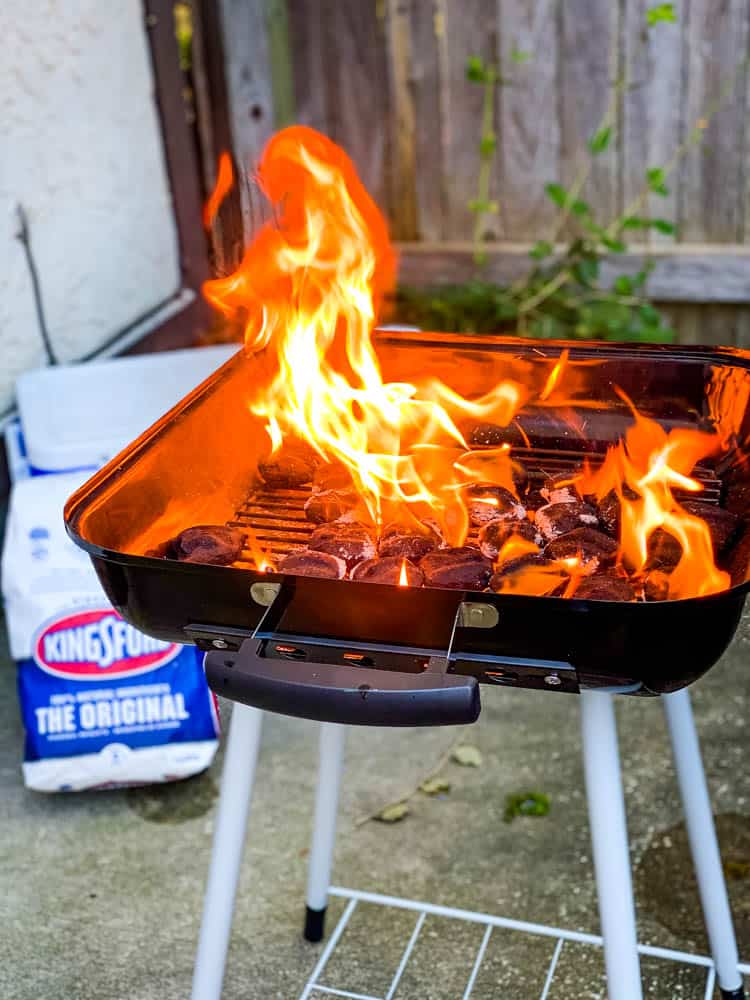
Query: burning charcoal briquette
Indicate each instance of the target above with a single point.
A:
(561, 488)
(490, 503)
(664, 551)
(556, 519)
(463, 568)
(605, 587)
(608, 509)
(328, 505)
(738, 498)
(208, 543)
(493, 536)
(510, 575)
(722, 524)
(287, 470)
(388, 570)
(656, 585)
(331, 476)
(403, 543)
(347, 540)
(307, 563)
(590, 545)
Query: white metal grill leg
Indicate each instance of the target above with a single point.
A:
(703, 843)
(609, 838)
(226, 854)
(324, 827)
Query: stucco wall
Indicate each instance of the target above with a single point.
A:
(80, 148)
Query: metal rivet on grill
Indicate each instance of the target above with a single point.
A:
(473, 614)
(553, 680)
(219, 644)
(265, 593)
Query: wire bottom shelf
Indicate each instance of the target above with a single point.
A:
(315, 987)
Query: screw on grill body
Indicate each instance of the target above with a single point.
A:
(220, 644)
(553, 680)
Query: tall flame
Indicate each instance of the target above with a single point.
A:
(309, 289)
(224, 181)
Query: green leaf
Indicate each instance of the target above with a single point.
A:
(519, 57)
(475, 70)
(656, 180)
(640, 277)
(541, 249)
(662, 12)
(656, 335)
(467, 755)
(480, 258)
(525, 804)
(579, 207)
(649, 315)
(635, 222)
(435, 786)
(487, 145)
(587, 271)
(615, 245)
(556, 193)
(623, 285)
(600, 140)
(664, 226)
(393, 813)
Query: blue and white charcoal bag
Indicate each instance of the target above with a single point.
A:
(102, 704)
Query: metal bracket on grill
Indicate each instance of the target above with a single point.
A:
(344, 693)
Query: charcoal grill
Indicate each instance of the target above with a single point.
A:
(340, 651)
(402, 655)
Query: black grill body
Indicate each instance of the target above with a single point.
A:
(197, 465)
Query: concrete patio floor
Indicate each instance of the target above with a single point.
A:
(101, 893)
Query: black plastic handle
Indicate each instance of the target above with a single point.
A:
(356, 696)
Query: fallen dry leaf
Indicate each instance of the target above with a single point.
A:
(393, 813)
(434, 786)
(467, 756)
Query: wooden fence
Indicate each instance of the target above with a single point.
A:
(386, 79)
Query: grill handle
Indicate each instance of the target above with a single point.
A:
(357, 696)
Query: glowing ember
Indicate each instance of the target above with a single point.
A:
(224, 181)
(403, 579)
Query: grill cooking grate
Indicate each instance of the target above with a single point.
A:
(277, 518)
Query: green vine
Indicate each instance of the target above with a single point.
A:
(561, 295)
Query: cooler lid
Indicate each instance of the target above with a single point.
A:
(79, 416)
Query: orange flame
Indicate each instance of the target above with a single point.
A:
(654, 462)
(403, 579)
(308, 289)
(224, 181)
(308, 292)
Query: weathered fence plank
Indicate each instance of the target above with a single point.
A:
(309, 63)
(652, 75)
(589, 67)
(528, 129)
(402, 121)
(684, 273)
(428, 64)
(470, 30)
(251, 103)
(712, 181)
